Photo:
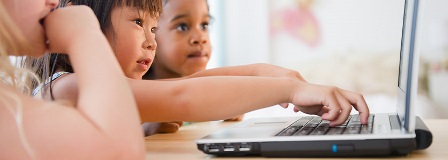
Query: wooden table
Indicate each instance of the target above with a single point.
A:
(182, 146)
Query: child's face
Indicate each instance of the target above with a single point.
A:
(183, 38)
(27, 14)
(133, 40)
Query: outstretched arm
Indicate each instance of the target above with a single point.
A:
(258, 69)
(222, 97)
(214, 98)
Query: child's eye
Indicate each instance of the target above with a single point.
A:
(154, 29)
(204, 26)
(138, 22)
(182, 27)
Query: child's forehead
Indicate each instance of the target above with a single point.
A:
(180, 6)
(179, 9)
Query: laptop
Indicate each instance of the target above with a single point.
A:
(310, 136)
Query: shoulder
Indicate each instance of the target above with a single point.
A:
(65, 86)
(66, 81)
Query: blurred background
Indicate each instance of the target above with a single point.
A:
(352, 44)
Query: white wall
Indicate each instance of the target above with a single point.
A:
(358, 38)
(345, 25)
(241, 29)
(246, 26)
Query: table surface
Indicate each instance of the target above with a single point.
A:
(181, 145)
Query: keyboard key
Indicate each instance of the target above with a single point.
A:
(304, 131)
(314, 122)
(302, 121)
(321, 130)
(366, 129)
(324, 123)
(346, 122)
(289, 131)
(335, 130)
(352, 130)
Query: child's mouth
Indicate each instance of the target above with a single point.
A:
(196, 54)
(144, 64)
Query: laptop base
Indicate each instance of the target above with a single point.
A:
(423, 136)
(350, 148)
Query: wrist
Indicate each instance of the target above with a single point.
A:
(294, 87)
(256, 69)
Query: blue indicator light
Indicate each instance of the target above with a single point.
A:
(334, 148)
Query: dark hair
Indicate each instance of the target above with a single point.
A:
(50, 63)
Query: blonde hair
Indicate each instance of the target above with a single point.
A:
(13, 41)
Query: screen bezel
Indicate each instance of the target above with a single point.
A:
(408, 68)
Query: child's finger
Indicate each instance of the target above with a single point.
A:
(334, 108)
(296, 109)
(346, 107)
(324, 110)
(284, 105)
(358, 102)
(180, 123)
(168, 127)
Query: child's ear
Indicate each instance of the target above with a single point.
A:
(69, 3)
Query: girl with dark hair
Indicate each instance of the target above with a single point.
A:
(204, 95)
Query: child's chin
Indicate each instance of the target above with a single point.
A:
(138, 76)
(198, 69)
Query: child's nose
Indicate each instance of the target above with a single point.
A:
(52, 3)
(199, 37)
(150, 41)
(150, 44)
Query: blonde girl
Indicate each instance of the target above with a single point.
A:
(98, 126)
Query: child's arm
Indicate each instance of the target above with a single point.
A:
(259, 69)
(105, 104)
(214, 98)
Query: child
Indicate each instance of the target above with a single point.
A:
(212, 97)
(183, 40)
(183, 45)
(184, 49)
(34, 129)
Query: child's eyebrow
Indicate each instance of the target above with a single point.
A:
(186, 15)
(178, 17)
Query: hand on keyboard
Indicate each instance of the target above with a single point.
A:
(331, 103)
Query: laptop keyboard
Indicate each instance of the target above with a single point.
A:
(314, 125)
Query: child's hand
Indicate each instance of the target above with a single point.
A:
(66, 26)
(268, 70)
(236, 118)
(331, 103)
(169, 127)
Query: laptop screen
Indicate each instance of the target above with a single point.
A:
(408, 68)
